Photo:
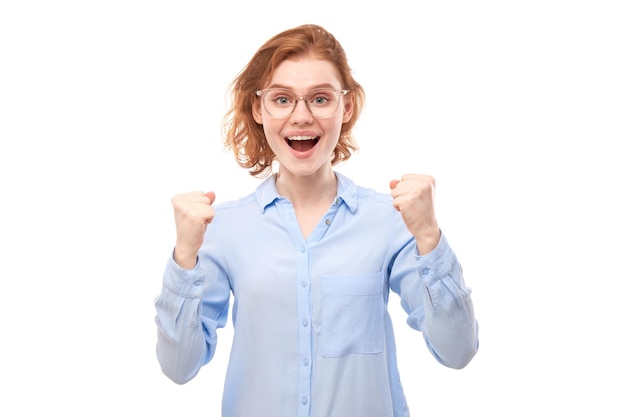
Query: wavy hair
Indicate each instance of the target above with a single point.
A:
(244, 136)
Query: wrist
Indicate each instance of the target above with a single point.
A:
(427, 240)
(185, 259)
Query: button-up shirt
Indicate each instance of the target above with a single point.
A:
(312, 335)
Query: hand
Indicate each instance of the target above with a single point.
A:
(192, 213)
(414, 196)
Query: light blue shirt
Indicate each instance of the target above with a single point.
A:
(312, 335)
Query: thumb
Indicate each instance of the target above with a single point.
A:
(393, 183)
(211, 196)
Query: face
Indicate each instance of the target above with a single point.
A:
(302, 142)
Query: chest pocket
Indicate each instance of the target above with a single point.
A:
(352, 314)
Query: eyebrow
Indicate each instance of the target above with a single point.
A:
(323, 85)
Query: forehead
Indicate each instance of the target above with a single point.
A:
(305, 73)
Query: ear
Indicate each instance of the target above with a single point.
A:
(256, 112)
(348, 108)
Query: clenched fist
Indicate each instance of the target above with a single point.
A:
(192, 213)
(414, 197)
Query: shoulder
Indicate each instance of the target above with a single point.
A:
(361, 194)
(244, 203)
(376, 196)
(264, 193)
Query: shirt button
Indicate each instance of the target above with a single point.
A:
(305, 322)
(304, 284)
(327, 222)
(425, 271)
(305, 362)
(197, 283)
(304, 400)
(337, 201)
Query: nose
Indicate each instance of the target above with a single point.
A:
(301, 112)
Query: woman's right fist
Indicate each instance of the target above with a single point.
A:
(192, 213)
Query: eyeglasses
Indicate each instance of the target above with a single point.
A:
(281, 102)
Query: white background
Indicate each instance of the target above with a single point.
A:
(107, 109)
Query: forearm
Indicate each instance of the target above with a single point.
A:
(450, 327)
(182, 346)
(440, 306)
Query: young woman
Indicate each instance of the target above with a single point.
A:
(309, 257)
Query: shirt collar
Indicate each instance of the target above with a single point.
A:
(266, 192)
(347, 191)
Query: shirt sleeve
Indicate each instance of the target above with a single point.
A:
(439, 305)
(186, 323)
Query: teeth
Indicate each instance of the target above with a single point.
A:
(301, 137)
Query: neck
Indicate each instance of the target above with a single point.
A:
(310, 189)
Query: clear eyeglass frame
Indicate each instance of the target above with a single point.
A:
(289, 110)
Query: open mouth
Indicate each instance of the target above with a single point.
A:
(302, 143)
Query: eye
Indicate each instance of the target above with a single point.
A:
(280, 98)
(320, 98)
